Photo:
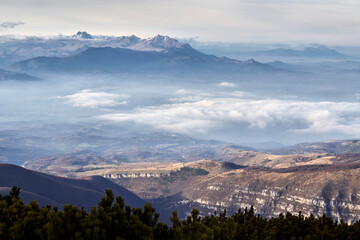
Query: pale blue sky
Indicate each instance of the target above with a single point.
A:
(331, 22)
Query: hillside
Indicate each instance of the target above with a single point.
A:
(47, 189)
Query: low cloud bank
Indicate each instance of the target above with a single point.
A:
(203, 115)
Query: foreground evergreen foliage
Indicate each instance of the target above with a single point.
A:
(113, 220)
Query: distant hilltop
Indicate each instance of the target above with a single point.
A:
(308, 52)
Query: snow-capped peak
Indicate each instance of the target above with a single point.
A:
(157, 43)
(164, 42)
(83, 35)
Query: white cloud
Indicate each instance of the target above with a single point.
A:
(192, 92)
(239, 94)
(227, 84)
(91, 99)
(181, 91)
(186, 99)
(10, 24)
(204, 115)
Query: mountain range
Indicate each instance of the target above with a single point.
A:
(174, 59)
(85, 53)
(17, 49)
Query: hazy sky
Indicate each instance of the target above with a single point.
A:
(280, 21)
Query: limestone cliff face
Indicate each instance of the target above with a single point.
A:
(334, 193)
(333, 189)
(135, 175)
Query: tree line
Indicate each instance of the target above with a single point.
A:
(112, 219)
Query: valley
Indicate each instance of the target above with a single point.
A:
(313, 183)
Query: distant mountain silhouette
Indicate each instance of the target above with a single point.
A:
(333, 147)
(9, 75)
(311, 52)
(182, 59)
(47, 189)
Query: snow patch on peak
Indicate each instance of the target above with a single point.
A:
(124, 41)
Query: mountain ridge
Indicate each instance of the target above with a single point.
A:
(84, 192)
(183, 59)
(309, 52)
(14, 49)
(335, 147)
